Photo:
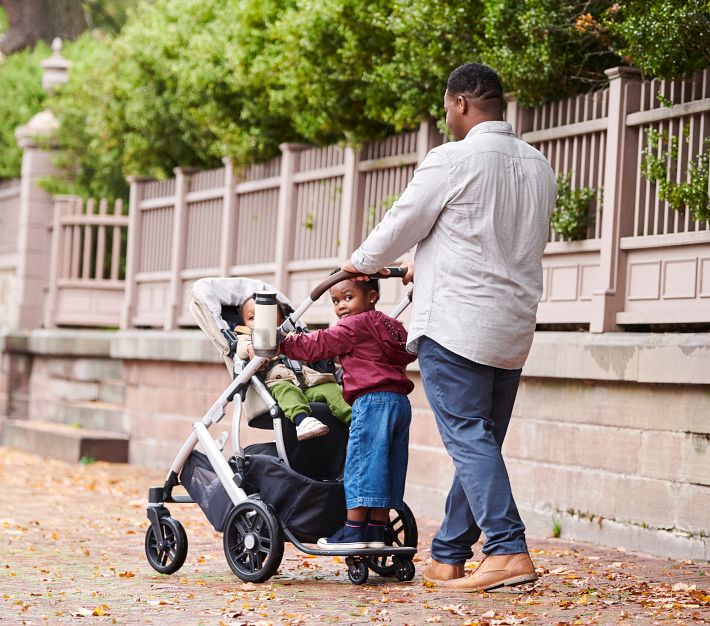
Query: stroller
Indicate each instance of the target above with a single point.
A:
(266, 493)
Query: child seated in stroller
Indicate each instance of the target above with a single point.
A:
(281, 378)
(372, 352)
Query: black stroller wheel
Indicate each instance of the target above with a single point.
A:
(169, 557)
(401, 530)
(253, 541)
(403, 569)
(357, 572)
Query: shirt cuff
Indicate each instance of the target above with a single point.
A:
(359, 260)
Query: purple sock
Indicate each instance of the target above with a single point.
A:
(353, 524)
(299, 418)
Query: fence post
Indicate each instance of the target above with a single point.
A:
(226, 244)
(518, 117)
(177, 249)
(350, 205)
(427, 138)
(619, 182)
(289, 162)
(55, 258)
(133, 248)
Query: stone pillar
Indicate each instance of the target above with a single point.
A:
(36, 205)
(617, 213)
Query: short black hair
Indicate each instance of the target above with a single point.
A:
(371, 284)
(479, 82)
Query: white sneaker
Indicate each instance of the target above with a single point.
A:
(311, 427)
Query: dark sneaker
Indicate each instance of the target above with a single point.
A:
(346, 538)
(375, 535)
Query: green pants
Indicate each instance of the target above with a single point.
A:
(293, 400)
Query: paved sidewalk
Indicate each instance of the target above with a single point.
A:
(71, 551)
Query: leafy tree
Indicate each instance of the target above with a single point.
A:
(430, 39)
(662, 37)
(31, 21)
(179, 86)
(544, 49)
(91, 144)
(22, 97)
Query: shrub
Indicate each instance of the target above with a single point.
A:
(571, 218)
(659, 165)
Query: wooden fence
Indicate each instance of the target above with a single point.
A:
(87, 280)
(293, 219)
(642, 262)
(289, 221)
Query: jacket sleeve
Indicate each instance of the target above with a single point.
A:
(320, 344)
(410, 219)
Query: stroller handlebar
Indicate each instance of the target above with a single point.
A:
(334, 279)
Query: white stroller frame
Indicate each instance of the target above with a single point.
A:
(210, 294)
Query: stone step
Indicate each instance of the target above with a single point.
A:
(65, 443)
(105, 416)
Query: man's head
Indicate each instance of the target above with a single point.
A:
(474, 94)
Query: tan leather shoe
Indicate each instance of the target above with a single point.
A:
(501, 570)
(438, 572)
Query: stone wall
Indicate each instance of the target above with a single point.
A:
(610, 437)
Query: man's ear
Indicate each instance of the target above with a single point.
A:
(462, 104)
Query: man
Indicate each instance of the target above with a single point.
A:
(479, 210)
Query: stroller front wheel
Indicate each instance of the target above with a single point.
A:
(253, 541)
(357, 571)
(166, 554)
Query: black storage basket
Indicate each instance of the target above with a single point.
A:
(202, 483)
(308, 508)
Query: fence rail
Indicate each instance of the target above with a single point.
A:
(291, 219)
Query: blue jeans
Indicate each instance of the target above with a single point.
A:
(472, 404)
(378, 451)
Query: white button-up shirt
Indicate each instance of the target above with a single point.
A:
(479, 210)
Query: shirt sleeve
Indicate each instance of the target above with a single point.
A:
(320, 344)
(410, 219)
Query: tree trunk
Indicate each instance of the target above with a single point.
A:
(33, 20)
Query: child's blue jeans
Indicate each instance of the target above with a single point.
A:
(378, 451)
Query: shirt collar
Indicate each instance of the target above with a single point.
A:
(503, 128)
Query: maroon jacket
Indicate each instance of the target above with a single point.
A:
(371, 347)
